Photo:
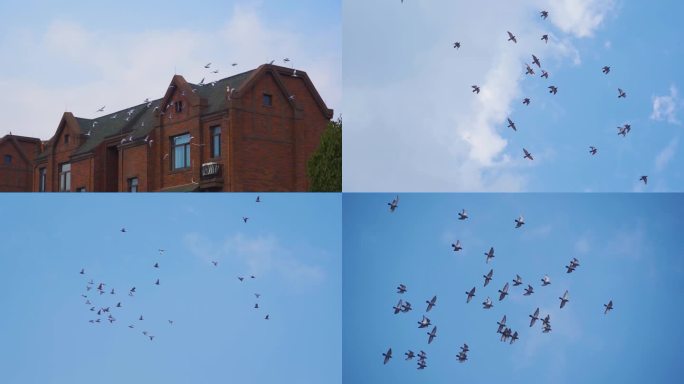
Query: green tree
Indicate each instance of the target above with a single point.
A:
(324, 168)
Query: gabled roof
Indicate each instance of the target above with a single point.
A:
(14, 141)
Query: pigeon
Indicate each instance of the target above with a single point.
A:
(511, 124)
(606, 70)
(208, 65)
(503, 292)
(101, 109)
(156, 265)
(526, 101)
(545, 74)
(544, 14)
(475, 88)
(82, 271)
(394, 204)
(388, 356)
(529, 70)
(215, 263)
(457, 45)
(245, 219)
(527, 155)
(424, 322)
(431, 303)
(397, 308)
(534, 317)
(514, 337)
(401, 288)
(553, 89)
(258, 199)
(462, 215)
(409, 355)
(535, 60)
(406, 307)
(621, 93)
(487, 304)
(528, 291)
(157, 282)
(593, 150)
(545, 280)
(267, 317)
(517, 281)
(644, 179)
(488, 277)
(564, 299)
(470, 294)
(545, 38)
(511, 37)
(502, 324)
(490, 254)
(123, 230)
(457, 247)
(519, 222)
(608, 306)
(432, 334)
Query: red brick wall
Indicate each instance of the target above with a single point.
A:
(16, 176)
(133, 163)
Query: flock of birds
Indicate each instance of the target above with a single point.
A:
(507, 334)
(553, 89)
(104, 301)
(168, 109)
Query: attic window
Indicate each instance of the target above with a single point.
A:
(8, 159)
(66, 139)
(179, 106)
(268, 100)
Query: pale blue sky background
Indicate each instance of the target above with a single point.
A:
(412, 123)
(629, 248)
(78, 56)
(291, 243)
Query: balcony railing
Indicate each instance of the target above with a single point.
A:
(211, 171)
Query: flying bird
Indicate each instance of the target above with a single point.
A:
(409, 355)
(488, 277)
(82, 271)
(608, 306)
(421, 364)
(606, 70)
(475, 88)
(545, 38)
(545, 74)
(529, 70)
(527, 155)
(529, 290)
(517, 281)
(424, 322)
(394, 204)
(123, 230)
(431, 303)
(511, 124)
(462, 357)
(258, 199)
(644, 179)
(511, 37)
(432, 334)
(388, 356)
(534, 317)
(564, 299)
(157, 282)
(544, 14)
(215, 263)
(397, 308)
(457, 45)
(519, 222)
(490, 254)
(462, 215)
(553, 89)
(487, 303)
(503, 292)
(245, 219)
(502, 324)
(101, 109)
(406, 307)
(535, 60)
(208, 65)
(401, 288)
(470, 294)
(526, 101)
(593, 150)
(457, 247)
(156, 265)
(545, 280)
(621, 93)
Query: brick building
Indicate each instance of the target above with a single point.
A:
(253, 131)
(16, 163)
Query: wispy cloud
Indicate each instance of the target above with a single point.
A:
(666, 155)
(579, 17)
(259, 255)
(665, 107)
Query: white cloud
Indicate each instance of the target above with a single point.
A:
(85, 68)
(665, 107)
(666, 155)
(580, 18)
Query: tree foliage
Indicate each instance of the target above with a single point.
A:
(324, 168)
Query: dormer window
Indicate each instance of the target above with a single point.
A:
(179, 106)
(268, 100)
(66, 139)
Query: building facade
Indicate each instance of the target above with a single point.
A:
(16, 164)
(253, 131)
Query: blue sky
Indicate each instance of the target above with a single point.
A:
(291, 243)
(629, 248)
(79, 56)
(412, 123)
